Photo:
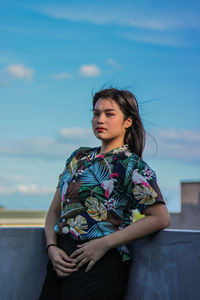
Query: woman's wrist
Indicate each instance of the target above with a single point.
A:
(117, 238)
(108, 243)
(50, 245)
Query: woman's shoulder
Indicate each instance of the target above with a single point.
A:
(145, 169)
(138, 163)
(81, 152)
(84, 150)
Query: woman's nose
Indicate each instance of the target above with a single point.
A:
(100, 119)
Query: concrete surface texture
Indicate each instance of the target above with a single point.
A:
(189, 217)
(166, 265)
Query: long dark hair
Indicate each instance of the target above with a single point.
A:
(135, 135)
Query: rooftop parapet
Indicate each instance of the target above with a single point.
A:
(166, 265)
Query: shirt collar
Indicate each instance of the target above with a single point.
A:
(117, 150)
(92, 156)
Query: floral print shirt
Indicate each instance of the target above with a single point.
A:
(100, 192)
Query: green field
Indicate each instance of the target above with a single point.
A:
(22, 217)
(4, 213)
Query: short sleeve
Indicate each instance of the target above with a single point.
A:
(142, 188)
(59, 178)
(69, 159)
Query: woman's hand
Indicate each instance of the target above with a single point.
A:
(90, 252)
(62, 263)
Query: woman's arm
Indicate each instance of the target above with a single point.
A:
(51, 219)
(157, 218)
(62, 263)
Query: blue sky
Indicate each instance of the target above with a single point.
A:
(55, 54)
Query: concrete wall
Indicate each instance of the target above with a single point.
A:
(189, 218)
(22, 263)
(166, 265)
(190, 193)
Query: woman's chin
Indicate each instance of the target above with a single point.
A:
(100, 135)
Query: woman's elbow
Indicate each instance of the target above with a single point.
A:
(165, 220)
(161, 215)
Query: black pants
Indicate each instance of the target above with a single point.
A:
(107, 280)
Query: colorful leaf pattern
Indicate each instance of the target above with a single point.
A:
(99, 192)
(96, 209)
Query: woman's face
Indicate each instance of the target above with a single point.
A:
(108, 122)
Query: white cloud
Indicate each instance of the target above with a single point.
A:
(31, 189)
(89, 70)
(19, 72)
(183, 136)
(7, 190)
(16, 72)
(61, 76)
(77, 135)
(36, 147)
(34, 189)
(67, 140)
(132, 15)
(181, 145)
(113, 63)
(75, 132)
(5, 179)
(155, 38)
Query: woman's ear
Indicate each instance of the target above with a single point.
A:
(128, 122)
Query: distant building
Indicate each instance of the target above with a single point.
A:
(189, 217)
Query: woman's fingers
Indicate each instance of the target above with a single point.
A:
(67, 260)
(62, 274)
(82, 262)
(89, 252)
(80, 257)
(90, 265)
(66, 270)
(75, 253)
(66, 257)
(55, 252)
(64, 264)
(59, 260)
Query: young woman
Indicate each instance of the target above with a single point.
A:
(88, 224)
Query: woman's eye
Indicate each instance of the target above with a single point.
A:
(109, 115)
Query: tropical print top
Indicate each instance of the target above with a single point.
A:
(99, 192)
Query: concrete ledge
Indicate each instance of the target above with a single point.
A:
(166, 265)
(22, 260)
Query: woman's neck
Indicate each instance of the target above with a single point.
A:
(108, 147)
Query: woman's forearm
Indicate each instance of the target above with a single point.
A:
(151, 223)
(50, 235)
(51, 219)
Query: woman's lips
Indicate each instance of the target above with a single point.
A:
(100, 129)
